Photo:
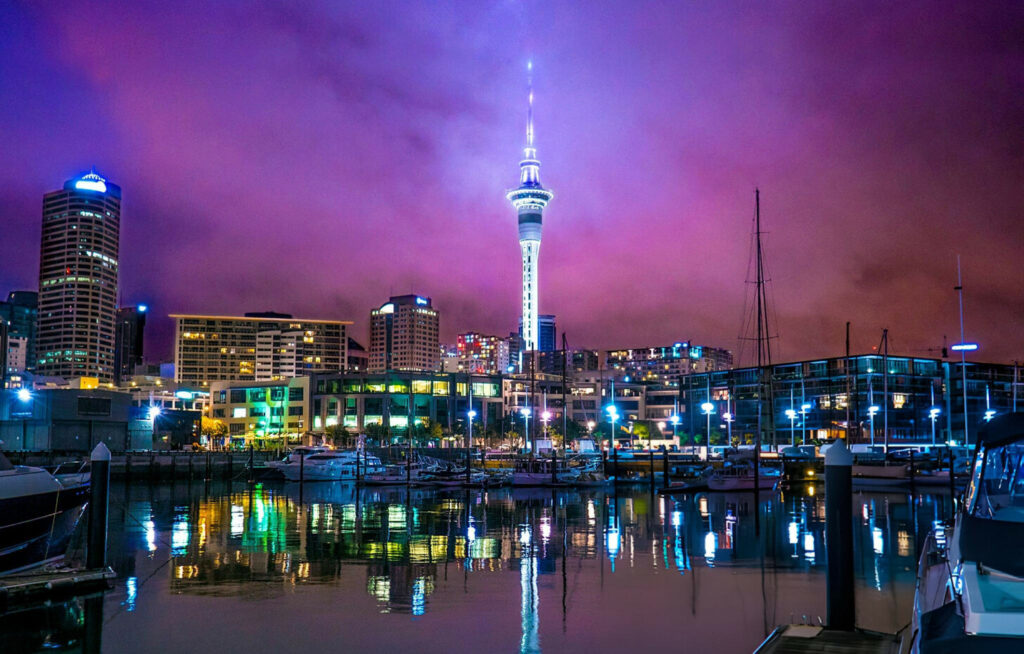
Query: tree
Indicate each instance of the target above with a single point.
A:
(213, 428)
(377, 432)
(338, 435)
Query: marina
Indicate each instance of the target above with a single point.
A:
(535, 568)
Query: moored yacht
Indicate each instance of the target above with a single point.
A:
(38, 515)
(740, 475)
(970, 582)
(321, 464)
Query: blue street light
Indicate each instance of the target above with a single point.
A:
(525, 412)
(933, 414)
(708, 408)
(613, 415)
(805, 408)
(963, 347)
(791, 414)
(872, 411)
(24, 395)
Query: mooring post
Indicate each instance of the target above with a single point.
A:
(913, 473)
(302, 468)
(839, 537)
(252, 463)
(615, 462)
(231, 461)
(99, 486)
(664, 465)
(952, 486)
(650, 454)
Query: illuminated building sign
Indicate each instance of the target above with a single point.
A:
(92, 182)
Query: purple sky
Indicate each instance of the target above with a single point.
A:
(314, 158)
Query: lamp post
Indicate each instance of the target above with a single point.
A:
(728, 418)
(613, 415)
(805, 408)
(708, 408)
(469, 429)
(872, 411)
(791, 414)
(675, 428)
(933, 414)
(525, 412)
(25, 397)
(154, 413)
(545, 417)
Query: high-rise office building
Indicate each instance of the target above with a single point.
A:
(255, 347)
(78, 268)
(129, 329)
(21, 313)
(404, 335)
(547, 333)
(529, 200)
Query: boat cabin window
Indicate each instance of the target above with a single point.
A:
(1000, 490)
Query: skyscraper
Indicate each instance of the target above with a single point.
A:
(529, 200)
(78, 279)
(129, 329)
(404, 335)
(20, 311)
(547, 334)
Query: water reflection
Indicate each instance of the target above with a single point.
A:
(587, 564)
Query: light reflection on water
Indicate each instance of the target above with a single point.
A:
(269, 568)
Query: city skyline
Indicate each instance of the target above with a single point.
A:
(370, 177)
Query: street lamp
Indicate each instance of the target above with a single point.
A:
(470, 414)
(872, 411)
(933, 413)
(613, 415)
(25, 396)
(154, 412)
(805, 408)
(791, 414)
(545, 417)
(525, 412)
(675, 428)
(708, 408)
(728, 418)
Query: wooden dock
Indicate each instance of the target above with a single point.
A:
(802, 638)
(17, 589)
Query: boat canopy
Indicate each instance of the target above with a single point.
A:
(992, 531)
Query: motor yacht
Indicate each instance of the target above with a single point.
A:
(320, 464)
(970, 581)
(38, 515)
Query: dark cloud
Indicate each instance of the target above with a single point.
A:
(314, 157)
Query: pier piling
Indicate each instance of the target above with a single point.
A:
(664, 465)
(839, 537)
(99, 487)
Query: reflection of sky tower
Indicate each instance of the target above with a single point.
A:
(529, 200)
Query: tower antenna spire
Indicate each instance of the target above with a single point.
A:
(529, 110)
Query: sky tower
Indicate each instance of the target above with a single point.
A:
(529, 200)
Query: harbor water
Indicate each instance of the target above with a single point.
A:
(234, 567)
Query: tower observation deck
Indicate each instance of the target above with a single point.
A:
(529, 201)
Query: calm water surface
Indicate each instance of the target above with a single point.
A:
(237, 568)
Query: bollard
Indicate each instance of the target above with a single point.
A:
(913, 473)
(99, 485)
(839, 537)
(664, 465)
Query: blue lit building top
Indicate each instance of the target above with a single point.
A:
(93, 182)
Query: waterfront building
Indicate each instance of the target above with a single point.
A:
(258, 411)
(129, 339)
(255, 347)
(912, 396)
(404, 335)
(77, 419)
(397, 399)
(15, 359)
(78, 277)
(581, 362)
(529, 201)
(665, 364)
(21, 313)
